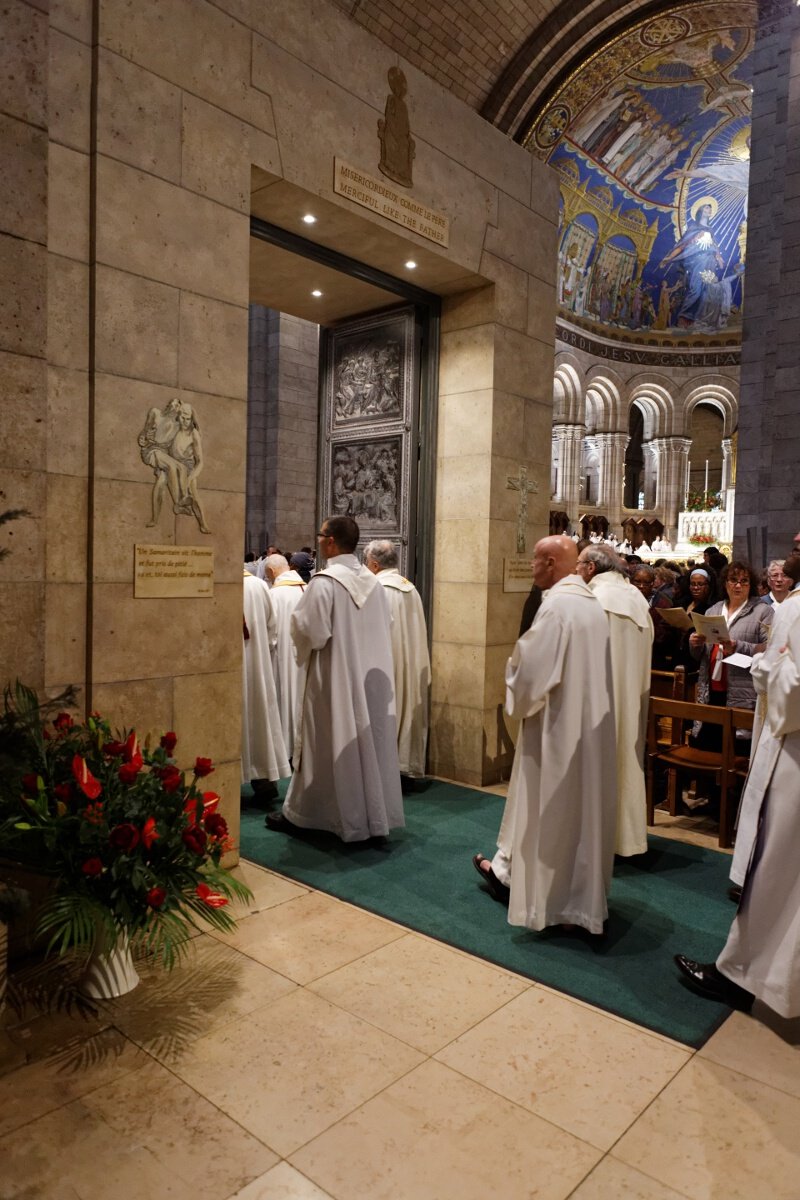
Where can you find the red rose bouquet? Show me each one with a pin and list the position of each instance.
(134, 841)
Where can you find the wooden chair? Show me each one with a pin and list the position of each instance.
(679, 756)
(668, 685)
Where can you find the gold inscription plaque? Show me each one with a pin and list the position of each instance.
(517, 575)
(172, 571)
(391, 203)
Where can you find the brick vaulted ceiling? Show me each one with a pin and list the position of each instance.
(502, 57)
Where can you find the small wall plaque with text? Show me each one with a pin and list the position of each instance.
(517, 575)
(172, 571)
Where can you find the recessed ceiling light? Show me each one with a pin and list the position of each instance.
(316, 292)
(411, 264)
(309, 219)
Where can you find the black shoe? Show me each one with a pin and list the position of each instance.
(499, 891)
(264, 789)
(278, 823)
(734, 893)
(708, 981)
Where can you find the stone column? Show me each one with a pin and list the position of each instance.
(767, 498)
(672, 456)
(570, 446)
(611, 449)
(650, 475)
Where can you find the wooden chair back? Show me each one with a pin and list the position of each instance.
(678, 755)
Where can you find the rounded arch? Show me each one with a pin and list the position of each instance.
(604, 389)
(719, 395)
(653, 395)
(568, 405)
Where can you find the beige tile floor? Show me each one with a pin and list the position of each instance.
(321, 1052)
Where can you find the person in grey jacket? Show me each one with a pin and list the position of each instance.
(748, 619)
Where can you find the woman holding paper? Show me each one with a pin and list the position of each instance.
(747, 619)
(702, 594)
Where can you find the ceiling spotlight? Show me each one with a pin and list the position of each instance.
(316, 292)
(411, 264)
(309, 219)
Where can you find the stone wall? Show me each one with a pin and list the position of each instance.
(767, 488)
(129, 150)
(282, 431)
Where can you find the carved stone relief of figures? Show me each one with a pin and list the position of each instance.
(367, 381)
(170, 444)
(394, 131)
(364, 482)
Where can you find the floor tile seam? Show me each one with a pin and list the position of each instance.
(218, 1108)
(586, 1176)
(643, 1170)
(703, 1058)
(83, 1095)
(245, 954)
(662, 1038)
(380, 1028)
(361, 1104)
(599, 1150)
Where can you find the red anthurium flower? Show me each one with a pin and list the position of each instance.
(170, 778)
(190, 807)
(211, 898)
(114, 749)
(216, 826)
(124, 837)
(149, 832)
(92, 867)
(195, 838)
(203, 766)
(84, 778)
(131, 752)
(30, 784)
(169, 741)
(129, 771)
(156, 896)
(210, 802)
(63, 722)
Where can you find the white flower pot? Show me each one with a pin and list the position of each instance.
(110, 971)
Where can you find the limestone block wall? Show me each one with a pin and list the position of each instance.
(131, 132)
(767, 489)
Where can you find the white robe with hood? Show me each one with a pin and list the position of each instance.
(263, 751)
(556, 840)
(285, 594)
(412, 669)
(347, 775)
(762, 953)
(631, 632)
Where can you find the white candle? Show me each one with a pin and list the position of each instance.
(705, 489)
(688, 477)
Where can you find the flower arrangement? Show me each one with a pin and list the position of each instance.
(702, 501)
(702, 539)
(134, 842)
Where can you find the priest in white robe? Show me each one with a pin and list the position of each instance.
(631, 632)
(347, 775)
(761, 958)
(286, 590)
(412, 664)
(556, 842)
(264, 754)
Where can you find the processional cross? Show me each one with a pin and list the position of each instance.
(524, 486)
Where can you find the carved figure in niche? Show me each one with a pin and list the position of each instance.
(367, 382)
(170, 444)
(394, 131)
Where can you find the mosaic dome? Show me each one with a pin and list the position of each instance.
(651, 140)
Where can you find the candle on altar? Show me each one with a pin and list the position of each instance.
(705, 488)
(688, 479)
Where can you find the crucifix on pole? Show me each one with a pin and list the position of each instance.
(524, 486)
